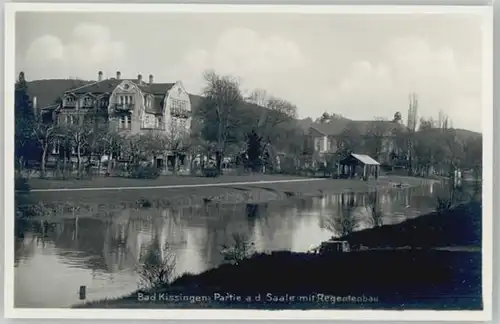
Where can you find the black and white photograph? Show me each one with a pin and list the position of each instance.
(248, 161)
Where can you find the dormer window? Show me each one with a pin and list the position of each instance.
(148, 102)
(87, 102)
(104, 103)
(69, 101)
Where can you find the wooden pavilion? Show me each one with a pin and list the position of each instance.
(359, 166)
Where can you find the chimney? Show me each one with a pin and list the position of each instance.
(118, 74)
(99, 76)
(139, 78)
(151, 79)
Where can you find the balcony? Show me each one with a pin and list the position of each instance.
(88, 105)
(69, 104)
(123, 107)
(180, 113)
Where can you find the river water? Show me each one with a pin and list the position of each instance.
(103, 252)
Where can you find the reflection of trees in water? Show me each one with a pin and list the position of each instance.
(375, 212)
(158, 264)
(24, 249)
(275, 227)
(345, 213)
(221, 222)
(259, 223)
(343, 220)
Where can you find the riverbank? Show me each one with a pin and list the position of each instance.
(422, 277)
(425, 279)
(184, 191)
(457, 227)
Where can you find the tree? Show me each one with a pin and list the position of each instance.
(44, 133)
(25, 143)
(349, 141)
(412, 127)
(79, 132)
(254, 151)
(220, 114)
(377, 133)
(325, 117)
(443, 120)
(426, 124)
(376, 215)
(473, 155)
(397, 117)
(158, 267)
(111, 142)
(345, 221)
(177, 139)
(454, 149)
(425, 152)
(273, 120)
(136, 149)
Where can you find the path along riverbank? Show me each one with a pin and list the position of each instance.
(184, 191)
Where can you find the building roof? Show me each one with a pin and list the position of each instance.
(365, 159)
(108, 85)
(336, 126)
(47, 92)
(332, 127)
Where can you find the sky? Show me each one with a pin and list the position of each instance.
(358, 66)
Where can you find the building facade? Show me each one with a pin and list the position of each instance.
(128, 106)
(326, 138)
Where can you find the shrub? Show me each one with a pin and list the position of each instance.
(158, 268)
(211, 172)
(443, 204)
(144, 172)
(21, 195)
(21, 184)
(241, 248)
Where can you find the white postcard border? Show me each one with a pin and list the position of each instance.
(385, 315)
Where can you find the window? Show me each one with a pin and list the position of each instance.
(104, 103)
(55, 148)
(87, 102)
(178, 104)
(125, 122)
(125, 100)
(69, 101)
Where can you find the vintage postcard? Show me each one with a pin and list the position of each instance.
(260, 162)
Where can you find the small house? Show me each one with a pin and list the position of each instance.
(359, 166)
